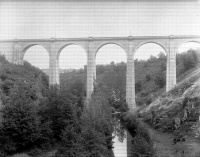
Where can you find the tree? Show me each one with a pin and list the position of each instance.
(160, 80)
(22, 127)
(152, 58)
(161, 55)
(138, 86)
(112, 63)
(58, 110)
(163, 66)
(190, 59)
(148, 77)
(94, 137)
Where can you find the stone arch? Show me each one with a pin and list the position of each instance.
(184, 46)
(181, 43)
(69, 44)
(159, 70)
(150, 42)
(121, 90)
(25, 48)
(74, 58)
(110, 43)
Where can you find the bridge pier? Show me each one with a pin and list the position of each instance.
(130, 76)
(130, 83)
(54, 77)
(15, 49)
(91, 68)
(171, 66)
(90, 77)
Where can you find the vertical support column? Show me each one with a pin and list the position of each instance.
(94, 67)
(130, 78)
(91, 69)
(130, 88)
(17, 58)
(53, 67)
(171, 65)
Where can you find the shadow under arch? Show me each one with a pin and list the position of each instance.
(24, 50)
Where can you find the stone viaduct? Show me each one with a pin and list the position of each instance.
(14, 50)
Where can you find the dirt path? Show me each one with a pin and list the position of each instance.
(164, 146)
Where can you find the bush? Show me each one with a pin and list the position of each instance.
(138, 86)
(58, 110)
(187, 60)
(142, 144)
(3, 59)
(163, 66)
(148, 77)
(21, 126)
(160, 80)
(92, 136)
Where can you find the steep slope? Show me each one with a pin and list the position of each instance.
(173, 119)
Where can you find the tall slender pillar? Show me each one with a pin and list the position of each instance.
(130, 79)
(17, 58)
(91, 69)
(171, 65)
(90, 78)
(130, 89)
(94, 68)
(53, 68)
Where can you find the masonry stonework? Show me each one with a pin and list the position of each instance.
(14, 51)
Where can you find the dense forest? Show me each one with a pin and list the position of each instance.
(37, 118)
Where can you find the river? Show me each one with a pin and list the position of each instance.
(120, 149)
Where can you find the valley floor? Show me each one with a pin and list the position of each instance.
(165, 147)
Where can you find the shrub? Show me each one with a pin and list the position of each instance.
(141, 144)
(138, 86)
(148, 101)
(3, 59)
(58, 110)
(21, 126)
(148, 77)
(160, 80)
(92, 136)
(163, 66)
(188, 59)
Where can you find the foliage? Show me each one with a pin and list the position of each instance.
(190, 60)
(142, 144)
(162, 55)
(163, 66)
(54, 115)
(58, 110)
(138, 86)
(187, 60)
(187, 111)
(160, 80)
(34, 115)
(152, 59)
(148, 77)
(93, 137)
(21, 126)
(3, 59)
(118, 107)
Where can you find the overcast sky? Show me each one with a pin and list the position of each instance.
(83, 18)
(108, 18)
